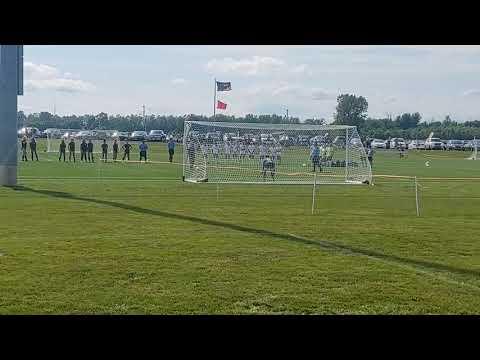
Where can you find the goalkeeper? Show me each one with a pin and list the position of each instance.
(268, 165)
(315, 156)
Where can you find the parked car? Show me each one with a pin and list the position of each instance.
(396, 143)
(303, 140)
(378, 144)
(85, 134)
(434, 144)
(156, 135)
(267, 138)
(138, 136)
(212, 137)
(29, 132)
(417, 144)
(121, 135)
(455, 145)
(228, 136)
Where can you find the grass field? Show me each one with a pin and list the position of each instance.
(130, 238)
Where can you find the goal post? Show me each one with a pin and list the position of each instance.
(259, 153)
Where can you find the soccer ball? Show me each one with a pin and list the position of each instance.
(427, 163)
(304, 164)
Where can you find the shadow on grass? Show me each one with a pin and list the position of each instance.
(328, 245)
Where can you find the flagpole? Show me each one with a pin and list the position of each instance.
(214, 97)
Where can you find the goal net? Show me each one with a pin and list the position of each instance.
(223, 152)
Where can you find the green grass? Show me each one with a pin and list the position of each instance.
(132, 238)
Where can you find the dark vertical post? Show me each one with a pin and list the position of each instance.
(11, 85)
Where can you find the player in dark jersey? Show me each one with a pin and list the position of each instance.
(104, 150)
(90, 151)
(63, 147)
(33, 147)
(315, 156)
(126, 150)
(83, 151)
(268, 165)
(71, 150)
(24, 149)
(115, 150)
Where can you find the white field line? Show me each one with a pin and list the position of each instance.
(417, 269)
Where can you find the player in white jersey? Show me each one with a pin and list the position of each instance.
(234, 150)
(271, 152)
(278, 153)
(251, 151)
(243, 151)
(204, 149)
(215, 151)
(227, 150)
(262, 151)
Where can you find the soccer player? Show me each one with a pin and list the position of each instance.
(24, 149)
(83, 151)
(278, 153)
(126, 151)
(63, 147)
(115, 149)
(251, 151)
(143, 151)
(204, 149)
(268, 165)
(104, 150)
(243, 151)
(315, 156)
(33, 147)
(262, 150)
(171, 148)
(370, 155)
(271, 152)
(71, 150)
(215, 151)
(227, 150)
(234, 150)
(90, 151)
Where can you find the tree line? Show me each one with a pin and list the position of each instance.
(350, 110)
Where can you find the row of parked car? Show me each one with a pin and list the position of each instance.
(153, 135)
(429, 144)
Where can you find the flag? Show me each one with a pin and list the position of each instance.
(224, 86)
(221, 105)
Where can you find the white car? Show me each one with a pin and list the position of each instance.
(398, 143)
(378, 144)
(417, 144)
(434, 144)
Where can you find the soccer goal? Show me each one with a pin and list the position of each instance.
(222, 152)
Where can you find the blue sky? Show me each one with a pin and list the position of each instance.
(433, 80)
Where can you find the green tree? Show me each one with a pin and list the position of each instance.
(351, 110)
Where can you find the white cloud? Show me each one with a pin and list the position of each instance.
(389, 100)
(321, 94)
(179, 81)
(472, 92)
(248, 66)
(46, 77)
